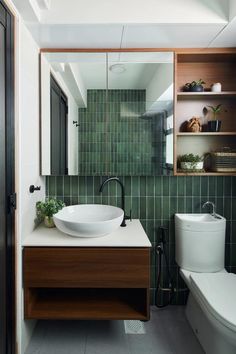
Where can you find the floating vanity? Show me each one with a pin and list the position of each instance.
(87, 278)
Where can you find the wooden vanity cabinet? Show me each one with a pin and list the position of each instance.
(86, 283)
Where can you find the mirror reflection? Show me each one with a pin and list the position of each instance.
(107, 113)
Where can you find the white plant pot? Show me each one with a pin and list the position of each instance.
(191, 165)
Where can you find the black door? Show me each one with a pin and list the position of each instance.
(59, 109)
(7, 197)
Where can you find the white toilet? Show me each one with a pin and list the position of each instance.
(211, 306)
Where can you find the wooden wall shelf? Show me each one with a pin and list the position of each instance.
(191, 95)
(217, 66)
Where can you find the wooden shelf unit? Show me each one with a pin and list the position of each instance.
(86, 283)
(219, 66)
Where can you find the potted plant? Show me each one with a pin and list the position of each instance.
(215, 124)
(46, 210)
(191, 162)
(194, 86)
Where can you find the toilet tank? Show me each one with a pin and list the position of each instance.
(200, 242)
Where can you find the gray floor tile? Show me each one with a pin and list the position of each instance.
(107, 337)
(168, 332)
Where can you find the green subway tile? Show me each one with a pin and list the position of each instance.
(212, 186)
(51, 183)
(234, 208)
(173, 186)
(196, 186)
(67, 183)
(82, 186)
(227, 208)
(204, 186)
(143, 207)
(181, 205)
(60, 185)
(135, 188)
(189, 202)
(89, 185)
(166, 189)
(166, 208)
(150, 208)
(181, 185)
(189, 186)
(227, 186)
(158, 185)
(135, 207)
(173, 206)
(74, 186)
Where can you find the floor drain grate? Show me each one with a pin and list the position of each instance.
(134, 327)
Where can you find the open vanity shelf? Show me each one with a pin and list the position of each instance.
(213, 66)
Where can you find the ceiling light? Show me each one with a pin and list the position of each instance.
(117, 68)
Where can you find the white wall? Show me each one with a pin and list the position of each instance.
(28, 147)
(72, 116)
(160, 83)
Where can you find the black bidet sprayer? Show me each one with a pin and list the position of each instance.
(160, 254)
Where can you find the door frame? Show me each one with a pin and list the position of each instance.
(10, 183)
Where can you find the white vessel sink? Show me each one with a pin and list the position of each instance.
(88, 220)
(198, 222)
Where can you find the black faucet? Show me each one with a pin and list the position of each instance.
(116, 179)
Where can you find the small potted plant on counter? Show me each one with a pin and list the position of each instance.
(194, 86)
(191, 162)
(46, 210)
(215, 124)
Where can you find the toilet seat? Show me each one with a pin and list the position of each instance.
(217, 292)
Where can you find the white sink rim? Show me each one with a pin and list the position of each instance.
(200, 217)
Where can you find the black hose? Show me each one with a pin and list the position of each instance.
(161, 251)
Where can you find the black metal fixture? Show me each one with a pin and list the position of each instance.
(33, 188)
(75, 122)
(116, 179)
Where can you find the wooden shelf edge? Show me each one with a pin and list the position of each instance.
(205, 174)
(206, 134)
(206, 93)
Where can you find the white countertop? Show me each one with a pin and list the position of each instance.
(133, 235)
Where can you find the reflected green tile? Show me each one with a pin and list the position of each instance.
(204, 186)
(166, 189)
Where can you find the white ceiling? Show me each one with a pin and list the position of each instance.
(130, 23)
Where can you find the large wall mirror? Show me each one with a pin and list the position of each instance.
(107, 113)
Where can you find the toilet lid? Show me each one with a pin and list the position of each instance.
(217, 291)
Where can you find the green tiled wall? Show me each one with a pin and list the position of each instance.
(115, 138)
(154, 200)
